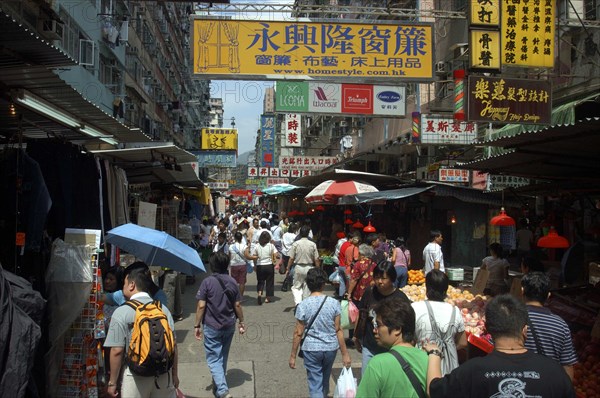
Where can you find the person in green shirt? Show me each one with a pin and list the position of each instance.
(394, 328)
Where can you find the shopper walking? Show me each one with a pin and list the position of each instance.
(135, 287)
(237, 262)
(318, 323)
(265, 256)
(432, 253)
(303, 256)
(402, 261)
(219, 304)
(439, 321)
(498, 267)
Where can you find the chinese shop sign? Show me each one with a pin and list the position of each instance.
(528, 33)
(500, 182)
(218, 185)
(216, 158)
(241, 49)
(494, 99)
(351, 99)
(277, 172)
(485, 49)
(267, 140)
(453, 175)
(485, 13)
(292, 131)
(214, 139)
(444, 130)
(306, 162)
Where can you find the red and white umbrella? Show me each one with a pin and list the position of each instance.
(330, 191)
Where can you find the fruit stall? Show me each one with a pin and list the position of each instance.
(579, 306)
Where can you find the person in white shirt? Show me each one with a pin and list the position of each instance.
(287, 240)
(432, 254)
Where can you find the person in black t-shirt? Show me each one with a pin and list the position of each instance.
(509, 371)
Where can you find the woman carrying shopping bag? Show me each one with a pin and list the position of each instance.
(318, 335)
(264, 254)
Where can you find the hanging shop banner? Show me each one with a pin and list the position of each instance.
(484, 13)
(484, 50)
(278, 180)
(446, 130)
(453, 175)
(295, 173)
(494, 99)
(219, 139)
(240, 49)
(528, 32)
(218, 185)
(479, 180)
(216, 158)
(500, 182)
(292, 130)
(147, 214)
(267, 140)
(306, 162)
(345, 99)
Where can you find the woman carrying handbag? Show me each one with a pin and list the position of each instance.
(264, 254)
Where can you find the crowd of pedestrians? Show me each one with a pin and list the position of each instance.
(406, 349)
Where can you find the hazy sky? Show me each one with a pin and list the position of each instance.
(244, 99)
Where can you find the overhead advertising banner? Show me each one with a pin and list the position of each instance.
(485, 50)
(484, 12)
(216, 158)
(528, 32)
(306, 162)
(219, 139)
(267, 140)
(218, 185)
(446, 130)
(494, 99)
(453, 175)
(292, 131)
(349, 99)
(278, 180)
(500, 182)
(479, 180)
(243, 49)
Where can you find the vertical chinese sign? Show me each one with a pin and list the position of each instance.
(528, 33)
(484, 35)
(292, 135)
(267, 140)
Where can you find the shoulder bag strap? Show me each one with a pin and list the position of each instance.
(312, 320)
(409, 373)
(434, 326)
(225, 291)
(536, 339)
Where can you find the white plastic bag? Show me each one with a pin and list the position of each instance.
(346, 385)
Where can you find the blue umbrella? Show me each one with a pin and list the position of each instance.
(279, 189)
(156, 248)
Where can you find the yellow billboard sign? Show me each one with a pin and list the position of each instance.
(239, 49)
(528, 33)
(485, 49)
(485, 13)
(216, 139)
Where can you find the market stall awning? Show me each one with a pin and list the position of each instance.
(392, 194)
(565, 151)
(347, 175)
(279, 189)
(159, 163)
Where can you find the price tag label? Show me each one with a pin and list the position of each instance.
(20, 239)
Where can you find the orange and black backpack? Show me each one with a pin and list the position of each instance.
(151, 350)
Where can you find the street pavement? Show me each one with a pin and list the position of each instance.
(258, 360)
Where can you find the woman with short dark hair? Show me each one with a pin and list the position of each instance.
(265, 255)
(237, 262)
(440, 321)
(498, 267)
(323, 338)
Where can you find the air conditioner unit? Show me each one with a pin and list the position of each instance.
(441, 68)
(51, 29)
(461, 51)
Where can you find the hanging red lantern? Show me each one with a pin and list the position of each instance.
(369, 228)
(553, 240)
(348, 221)
(503, 219)
(340, 235)
(348, 212)
(358, 225)
(320, 208)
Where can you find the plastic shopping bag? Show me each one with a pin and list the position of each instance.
(345, 317)
(346, 385)
(352, 312)
(179, 393)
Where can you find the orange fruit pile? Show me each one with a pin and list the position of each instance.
(416, 277)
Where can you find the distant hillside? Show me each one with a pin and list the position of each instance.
(243, 157)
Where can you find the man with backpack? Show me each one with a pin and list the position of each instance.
(150, 369)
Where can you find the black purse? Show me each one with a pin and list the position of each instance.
(300, 352)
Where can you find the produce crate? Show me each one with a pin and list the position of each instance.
(578, 304)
